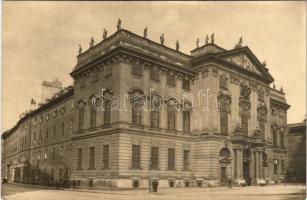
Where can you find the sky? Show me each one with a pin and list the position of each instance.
(40, 40)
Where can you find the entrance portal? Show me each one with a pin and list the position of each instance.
(223, 175)
(246, 162)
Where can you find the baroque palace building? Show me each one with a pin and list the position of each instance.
(217, 119)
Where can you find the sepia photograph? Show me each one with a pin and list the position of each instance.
(156, 100)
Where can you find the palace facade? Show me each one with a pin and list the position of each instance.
(226, 122)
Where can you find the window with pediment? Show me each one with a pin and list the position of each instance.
(156, 103)
(244, 124)
(186, 114)
(138, 103)
(171, 107)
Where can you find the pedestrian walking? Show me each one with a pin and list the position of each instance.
(229, 182)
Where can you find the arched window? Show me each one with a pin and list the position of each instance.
(107, 112)
(282, 137)
(171, 107)
(274, 132)
(93, 114)
(156, 102)
(224, 152)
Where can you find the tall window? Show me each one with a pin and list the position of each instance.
(244, 124)
(274, 138)
(136, 156)
(79, 157)
(154, 158)
(186, 159)
(137, 69)
(171, 80)
(186, 84)
(63, 129)
(154, 74)
(53, 153)
(171, 159)
(54, 131)
(137, 108)
(47, 134)
(105, 156)
(92, 158)
(186, 121)
(155, 111)
(282, 166)
(107, 112)
(282, 139)
(71, 125)
(275, 166)
(81, 118)
(171, 114)
(93, 118)
(224, 122)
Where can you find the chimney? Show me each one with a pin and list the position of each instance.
(49, 89)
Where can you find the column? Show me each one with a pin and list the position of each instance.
(260, 166)
(257, 165)
(240, 163)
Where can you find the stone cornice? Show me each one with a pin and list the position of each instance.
(122, 53)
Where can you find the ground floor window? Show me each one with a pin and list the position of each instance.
(136, 183)
(187, 184)
(90, 182)
(199, 183)
(172, 183)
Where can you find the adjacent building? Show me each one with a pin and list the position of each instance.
(139, 112)
(296, 171)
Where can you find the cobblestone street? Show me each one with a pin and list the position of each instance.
(273, 192)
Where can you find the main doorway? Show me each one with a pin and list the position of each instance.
(223, 176)
(246, 167)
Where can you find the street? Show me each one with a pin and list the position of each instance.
(272, 192)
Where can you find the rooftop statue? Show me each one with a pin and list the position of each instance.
(162, 39)
(119, 24)
(92, 42)
(177, 45)
(80, 49)
(197, 43)
(264, 63)
(274, 86)
(207, 39)
(145, 32)
(240, 43)
(105, 34)
(212, 38)
(281, 89)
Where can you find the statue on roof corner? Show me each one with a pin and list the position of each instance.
(162, 39)
(240, 43)
(212, 38)
(92, 42)
(207, 39)
(197, 43)
(80, 49)
(105, 34)
(119, 24)
(264, 63)
(145, 32)
(177, 45)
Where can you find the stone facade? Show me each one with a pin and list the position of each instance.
(228, 123)
(296, 170)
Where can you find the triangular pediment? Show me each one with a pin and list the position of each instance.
(242, 60)
(245, 59)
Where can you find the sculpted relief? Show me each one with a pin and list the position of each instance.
(242, 61)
